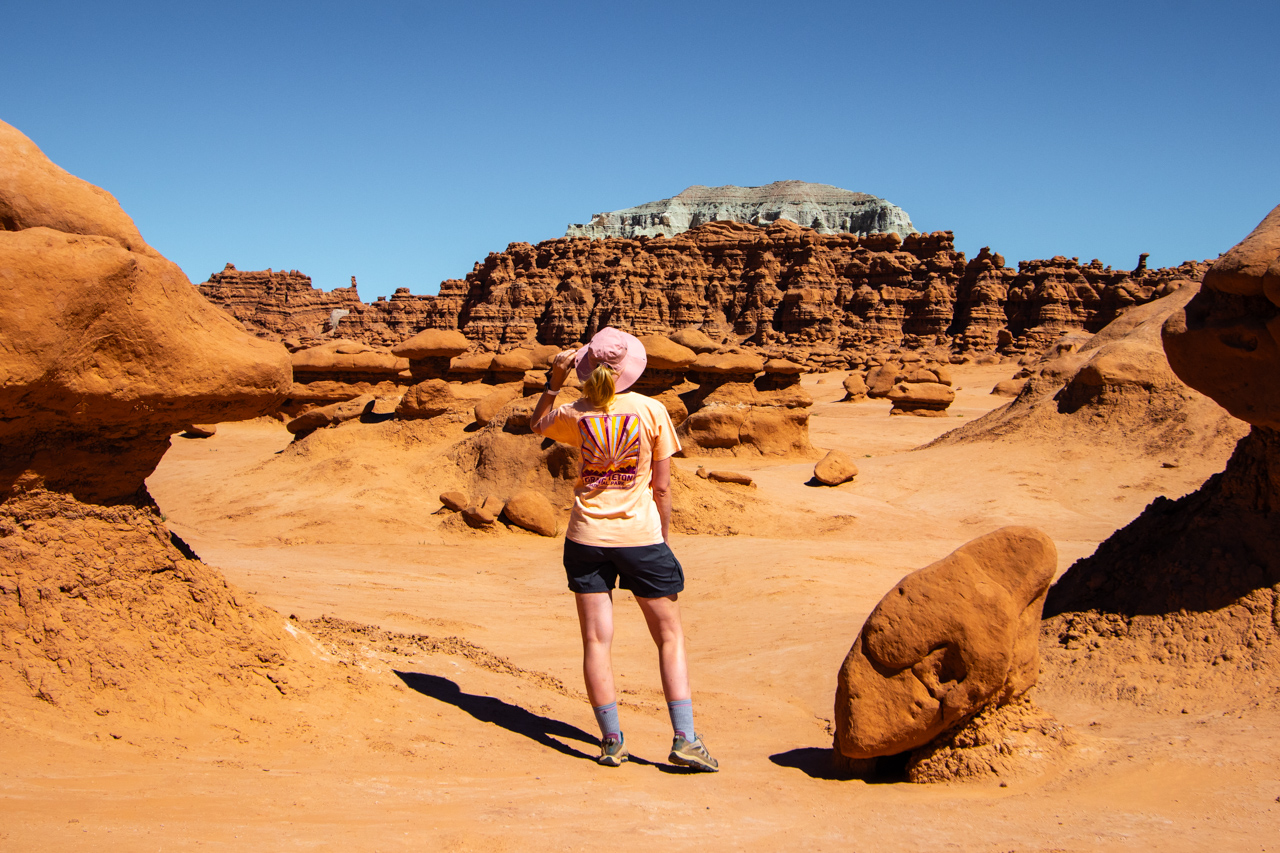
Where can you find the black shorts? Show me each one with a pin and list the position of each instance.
(649, 571)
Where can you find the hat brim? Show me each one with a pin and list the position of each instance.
(632, 365)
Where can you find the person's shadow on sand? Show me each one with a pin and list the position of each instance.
(513, 718)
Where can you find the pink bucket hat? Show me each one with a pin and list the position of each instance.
(622, 352)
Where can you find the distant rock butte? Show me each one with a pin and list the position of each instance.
(825, 209)
(782, 285)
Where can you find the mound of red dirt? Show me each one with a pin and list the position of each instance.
(102, 611)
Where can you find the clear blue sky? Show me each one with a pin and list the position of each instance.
(400, 142)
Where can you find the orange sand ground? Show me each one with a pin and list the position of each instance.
(467, 753)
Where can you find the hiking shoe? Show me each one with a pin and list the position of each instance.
(612, 752)
(692, 754)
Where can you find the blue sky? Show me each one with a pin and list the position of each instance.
(401, 142)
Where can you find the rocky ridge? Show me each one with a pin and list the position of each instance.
(778, 286)
(824, 208)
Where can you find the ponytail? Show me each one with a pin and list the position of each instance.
(599, 387)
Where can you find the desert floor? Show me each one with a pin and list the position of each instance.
(488, 744)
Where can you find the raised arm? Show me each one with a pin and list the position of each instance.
(560, 368)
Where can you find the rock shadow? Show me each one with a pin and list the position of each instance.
(817, 763)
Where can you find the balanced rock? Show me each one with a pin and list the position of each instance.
(835, 468)
(433, 343)
(516, 361)
(920, 398)
(694, 340)
(949, 640)
(532, 511)
(665, 354)
(855, 388)
(728, 364)
(346, 357)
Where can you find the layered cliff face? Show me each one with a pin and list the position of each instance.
(280, 304)
(779, 285)
(824, 208)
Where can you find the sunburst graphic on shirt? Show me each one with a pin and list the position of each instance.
(610, 450)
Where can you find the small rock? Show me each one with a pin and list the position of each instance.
(729, 477)
(835, 468)
(701, 472)
(483, 514)
(201, 431)
(455, 501)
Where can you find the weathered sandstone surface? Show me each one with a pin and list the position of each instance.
(948, 641)
(808, 296)
(106, 350)
(1188, 595)
(825, 209)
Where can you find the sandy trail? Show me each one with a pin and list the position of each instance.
(465, 755)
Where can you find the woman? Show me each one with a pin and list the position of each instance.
(619, 527)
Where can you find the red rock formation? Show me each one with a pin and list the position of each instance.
(782, 285)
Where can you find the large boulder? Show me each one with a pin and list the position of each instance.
(106, 347)
(949, 640)
(428, 399)
(835, 468)
(532, 511)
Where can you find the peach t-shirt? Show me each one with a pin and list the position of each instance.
(613, 506)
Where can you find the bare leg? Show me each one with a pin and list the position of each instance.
(662, 615)
(595, 619)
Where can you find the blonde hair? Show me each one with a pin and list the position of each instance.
(599, 387)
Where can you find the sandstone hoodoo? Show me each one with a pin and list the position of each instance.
(1195, 582)
(111, 353)
(915, 384)
(825, 209)
(947, 642)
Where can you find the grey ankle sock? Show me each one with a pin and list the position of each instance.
(681, 712)
(607, 719)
